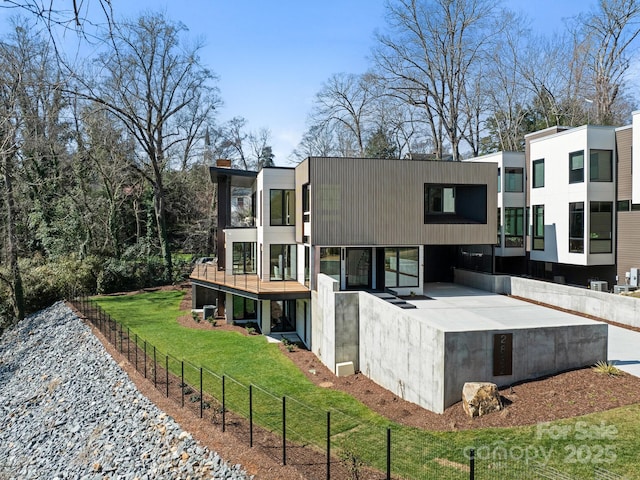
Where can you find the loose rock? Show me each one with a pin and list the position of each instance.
(67, 410)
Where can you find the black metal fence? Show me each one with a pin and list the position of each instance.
(320, 444)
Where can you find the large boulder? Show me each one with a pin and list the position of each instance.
(480, 398)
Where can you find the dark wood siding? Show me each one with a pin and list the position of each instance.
(359, 201)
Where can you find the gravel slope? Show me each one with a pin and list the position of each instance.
(68, 411)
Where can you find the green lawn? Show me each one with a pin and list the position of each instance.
(608, 440)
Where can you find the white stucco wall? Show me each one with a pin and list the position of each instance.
(557, 192)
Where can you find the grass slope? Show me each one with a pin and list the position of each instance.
(578, 446)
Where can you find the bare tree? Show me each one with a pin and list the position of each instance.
(148, 79)
(608, 33)
(344, 105)
(431, 54)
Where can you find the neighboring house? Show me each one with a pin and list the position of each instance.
(371, 224)
(510, 251)
(572, 199)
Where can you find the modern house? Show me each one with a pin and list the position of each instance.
(371, 224)
(572, 195)
(333, 250)
(510, 251)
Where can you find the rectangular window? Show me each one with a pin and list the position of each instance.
(499, 243)
(282, 262)
(538, 173)
(538, 227)
(401, 267)
(600, 227)
(576, 167)
(305, 202)
(244, 258)
(282, 205)
(576, 227)
(244, 308)
(601, 166)
(513, 227)
(439, 199)
(283, 315)
(623, 205)
(513, 180)
(330, 262)
(499, 181)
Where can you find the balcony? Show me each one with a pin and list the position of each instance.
(210, 273)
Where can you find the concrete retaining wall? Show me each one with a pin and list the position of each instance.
(608, 306)
(536, 352)
(402, 352)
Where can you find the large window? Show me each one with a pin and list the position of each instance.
(499, 181)
(282, 263)
(244, 258)
(440, 199)
(462, 203)
(282, 207)
(576, 167)
(513, 180)
(513, 227)
(601, 166)
(576, 227)
(600, 227)
(330, 262)
(283, 315)
(538, 227)
(244, 308)
(537, 173)
(401, 267)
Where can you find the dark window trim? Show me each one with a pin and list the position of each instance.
(537, 182)
(576, 175)
(576, 243)
(538, 239)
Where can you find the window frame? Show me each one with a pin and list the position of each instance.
(514, 240)
(398, 271)
(576, 243)
(597, 169)
(287, 207)
(537, 214)
(594, 237)
(512, 173)
(576, 175)
(537, 179)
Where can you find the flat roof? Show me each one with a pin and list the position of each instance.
(239, 178)
(456, 308)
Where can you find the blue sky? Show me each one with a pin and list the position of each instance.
(272, 57)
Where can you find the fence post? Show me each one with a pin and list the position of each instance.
(128, 344)
(136, 352)
(388, 453)
(472, 464)
(145, 359)
(155, 369)
(166, 372)
(201, 404)
(284, 431)
(224, 404)
(121, 349)
(328, 445)
(182, 381)
(251, 416)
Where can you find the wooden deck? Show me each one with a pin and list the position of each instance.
(208, 272)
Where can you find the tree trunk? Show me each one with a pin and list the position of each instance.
(161, 223)
(12, 245)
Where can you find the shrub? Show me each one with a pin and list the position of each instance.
(607, 368)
